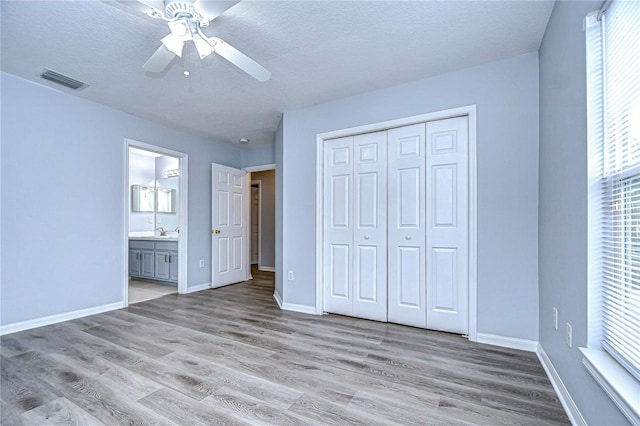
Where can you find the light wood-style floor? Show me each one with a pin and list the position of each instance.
(230, 356)
(141, 291)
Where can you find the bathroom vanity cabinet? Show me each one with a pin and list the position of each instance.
(154, 260)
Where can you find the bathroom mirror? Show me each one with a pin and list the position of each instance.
(142, 198)
(167, 203)
(166, 200)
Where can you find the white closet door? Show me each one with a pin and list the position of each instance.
(406, 233)
(447, 225)
(338, 227)
(370, 226)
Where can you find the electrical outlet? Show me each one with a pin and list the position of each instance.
(569, 335)
(150, 220)
(290, 275)
(555, 318)
(202, 263)
(158, 219)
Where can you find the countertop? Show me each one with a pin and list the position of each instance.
(153, 236)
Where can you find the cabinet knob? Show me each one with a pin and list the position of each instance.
(366, 237)
(408, 237)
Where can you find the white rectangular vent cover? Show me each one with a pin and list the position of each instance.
(69, 82)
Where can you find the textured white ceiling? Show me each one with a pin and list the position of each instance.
(316, 50)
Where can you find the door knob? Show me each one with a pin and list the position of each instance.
(217, 231)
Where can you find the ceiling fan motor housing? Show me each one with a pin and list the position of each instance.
(175, 8)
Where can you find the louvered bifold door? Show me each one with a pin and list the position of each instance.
(370, 226)
(338, 226)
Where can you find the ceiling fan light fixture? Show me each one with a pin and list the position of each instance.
(203, 47)
(173, 44)
(180, 29)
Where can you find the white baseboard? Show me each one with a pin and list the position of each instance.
(278, 298)
(299, 308)
(294, 306)
(266, 268)
(199, 287)
(567, 402)
(53, 319)
(507, 342)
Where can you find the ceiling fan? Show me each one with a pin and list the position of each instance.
(185, 19)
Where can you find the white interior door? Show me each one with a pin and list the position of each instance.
(229, 231)
(338, 228)
(447, 225)
(370, 226)
(406, 233)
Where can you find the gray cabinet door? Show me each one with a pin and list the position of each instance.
(147, 267)
(173, 266)
(135, 261)
(162, 265)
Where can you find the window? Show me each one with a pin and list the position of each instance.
(613, 96)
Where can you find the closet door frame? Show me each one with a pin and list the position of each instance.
(470, 112)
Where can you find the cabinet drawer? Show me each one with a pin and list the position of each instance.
(167, 245)
(137, 244)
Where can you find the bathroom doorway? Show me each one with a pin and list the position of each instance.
(155, 222)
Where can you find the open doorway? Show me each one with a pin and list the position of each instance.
(262, 217)
(155, 218)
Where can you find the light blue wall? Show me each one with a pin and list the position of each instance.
(506, 95)
(258, 156)
(63, 172)
(563, 206)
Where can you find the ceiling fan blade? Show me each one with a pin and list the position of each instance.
(210, 9)
(159, 60)
(155, 4)
(241, 60)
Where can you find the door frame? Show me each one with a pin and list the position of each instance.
(470, 112)
(258, 183)
(183, 255)
(253, 169)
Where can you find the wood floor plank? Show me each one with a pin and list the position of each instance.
(231, 356)
(269, 392)
(59, 412)
(252, 409)
(98, 400)
(23, 391)
(182, 410)
(397, 412)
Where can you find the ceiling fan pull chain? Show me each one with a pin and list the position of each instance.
(186, 61)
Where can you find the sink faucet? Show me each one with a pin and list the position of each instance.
(163, 233)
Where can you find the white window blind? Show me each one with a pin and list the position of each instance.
(613, 49)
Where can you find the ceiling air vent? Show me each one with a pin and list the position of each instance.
(69, 82)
